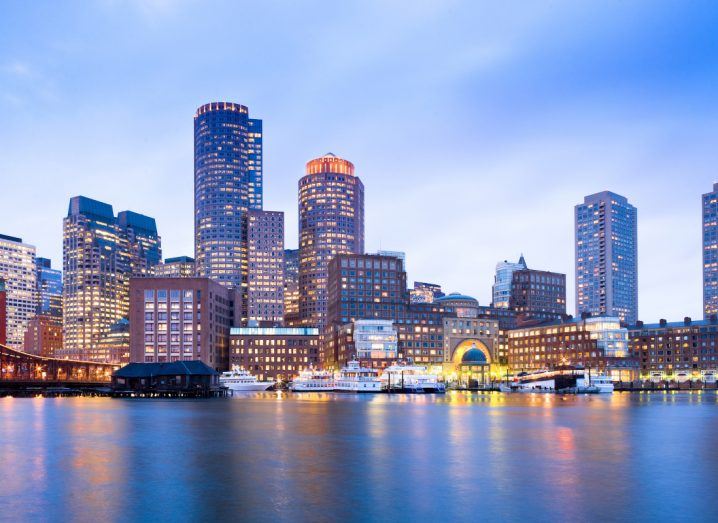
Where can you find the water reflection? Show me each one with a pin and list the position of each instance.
(324, 457)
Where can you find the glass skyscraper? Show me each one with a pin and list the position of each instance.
(331, 222)
(100, 254)
(710, 252)
(49, 289)
(228, 182)
(501, 290)
(607, 257)
(17, 268)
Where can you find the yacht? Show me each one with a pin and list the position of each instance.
(603, 383)
(313, 380)
(406, 377)
(241, 380)
(355, 378)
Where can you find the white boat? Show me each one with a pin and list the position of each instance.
(355, 378)
(405, 377)
(603, 383)
(313, 380)
(241, 380)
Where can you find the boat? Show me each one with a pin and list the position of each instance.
(355, 378)
(241, 380)
(406, 377)
(313, 380)
(603, 383)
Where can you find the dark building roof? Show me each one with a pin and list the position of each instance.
(180, 259)
(137, 221)
(177, 368)
(92, 208)
(10, 238)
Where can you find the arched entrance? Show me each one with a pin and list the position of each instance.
(472, 360)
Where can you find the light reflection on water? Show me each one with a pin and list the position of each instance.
(324, 457)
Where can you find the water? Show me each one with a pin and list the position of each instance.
(321, 457)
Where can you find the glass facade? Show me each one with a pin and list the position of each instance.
(49, 289)
(265, 277)
(607, 257)
(228, 182)
(331, 222)
(710, 252)
(501, 290)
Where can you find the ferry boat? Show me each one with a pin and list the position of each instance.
(241, 380)
(566, 379)
(313, 380)
(405, 377)
(603, 383)
(355, 378)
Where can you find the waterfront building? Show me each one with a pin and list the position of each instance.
(180, 319)
(501, 290)
(114, 346)
(189, 376)
(291, 286)
(18, 269)
(100, 254)
(43, 336)
(375, 339)
(331, 222)
(178, 267)
(228, 182)
(265, 275)
(425, 292)
(710, 252)
(538, 295)
(666, 349)
(598, 343)
(3, 313)
(49, 288)
(274, 353)
(472, 352)
(607, 257)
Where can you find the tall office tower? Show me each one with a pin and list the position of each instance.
(331, 222)
(3, 313)
(100, 254)
(291, 286)
(179, 267)
(501, 289)
(265, 275)
(17, 268)
(227, 183)
(144, 242)
(425, 292)
(710, 252)
(607, 257)
(49, 289)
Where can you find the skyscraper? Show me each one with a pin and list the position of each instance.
(291, 286)
(100, 254)
(607, 257)
(331, 222)
(17, 268)
(49, 289)
(265, 276)
(710, 252)
(228, 182)
(501, 289)
(3, 313)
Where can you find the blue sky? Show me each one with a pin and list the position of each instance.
(475, 126)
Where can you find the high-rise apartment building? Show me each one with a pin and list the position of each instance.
(331, 222)
(18, 269)
(3, 313)
(100, 254)
(710, 252)
(49, 289)
(178, 267)
(607, 257)
(228, 182)
(291, 286)
(265, 275)
(501, 289)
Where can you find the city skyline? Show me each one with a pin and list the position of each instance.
(661, 160)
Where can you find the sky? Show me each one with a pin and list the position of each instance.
(475, 126)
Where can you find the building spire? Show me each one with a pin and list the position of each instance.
(522, 261)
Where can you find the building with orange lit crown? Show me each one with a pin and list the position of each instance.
(331, 222)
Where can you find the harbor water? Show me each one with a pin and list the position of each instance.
(325, 457)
